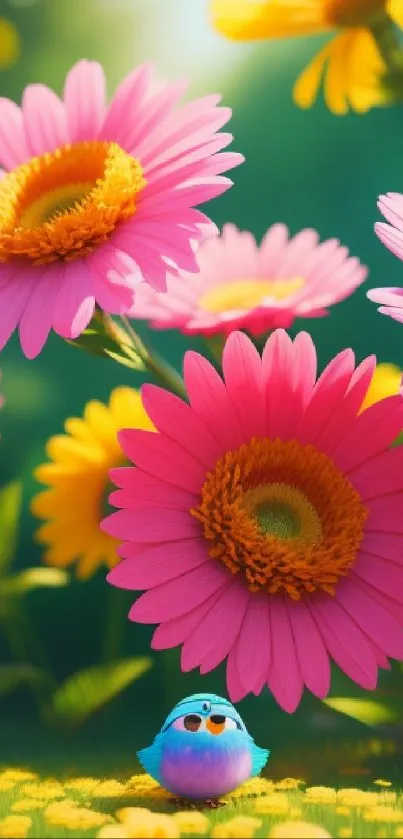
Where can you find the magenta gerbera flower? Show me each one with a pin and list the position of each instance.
(96, 199)
(391, 298)
(265, 519)
(242, 285)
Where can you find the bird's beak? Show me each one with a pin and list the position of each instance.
(215, 727)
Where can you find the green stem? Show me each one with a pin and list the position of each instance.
(25, 648)
(160, 369)
(114, 628)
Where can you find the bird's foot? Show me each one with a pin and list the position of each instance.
(214, 803)
(207, 803)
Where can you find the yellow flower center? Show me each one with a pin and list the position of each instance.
(247, 294)
(352, 12)
(283, 515)
(64, 204)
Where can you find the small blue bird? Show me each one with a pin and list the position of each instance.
(203, 750)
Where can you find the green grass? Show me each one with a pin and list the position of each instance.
(359, 819)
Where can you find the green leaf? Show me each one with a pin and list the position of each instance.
(88, 690)
(367, 711)
(14, 675)
(10, 510)
(32, 578)
(103, 337)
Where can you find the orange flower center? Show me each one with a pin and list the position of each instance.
(283, 515)
(352, 12)
(64, 204)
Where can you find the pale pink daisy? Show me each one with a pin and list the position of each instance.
(391, 235)
(265, 519)
(98, 198)
(242, 285)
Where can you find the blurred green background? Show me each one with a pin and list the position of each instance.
(307, 169)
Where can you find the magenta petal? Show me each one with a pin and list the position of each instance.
(372, 432)
(328, 391)
(388, 545)
(381, 574)
(242, 368)
(235, 686)
(142, 490)
(158, 564)
(179, 596)
(346, 644)
(382, 475)
(346, 411)
(385, 513)
(147, 525)
(174, 632)
(373, 618)
(277, 368)
(75, 302)
(36, 320)
(180, 423)
(210, 399)
(284, 676)
(253, 647)
(163, 458)
(214, 637)
(312, 655)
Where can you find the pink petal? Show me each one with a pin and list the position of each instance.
(142, 490)
(371, 432)
(210, 399)
(346, 643)
(390, 237)
(387, 545)
(253, 647)
(312, 655)
(284, 676)
(385, 514)
(373, 618)
(176, 597)
(143, 525)
(214, 637)
(75, 303)
(381, 574)
(382, 475)
(13, 144)
(158, 564)
(163, 458)
(305, 367)
(44, 119)
(235, 687)
(126, 107)
(36, 321)
(84, 98)
(390, 296)
(390, 206)
(13, 298)
(329, 390)
(277, 368)
(242, 369)
(346, 411)
(174, 632)
(176, 420)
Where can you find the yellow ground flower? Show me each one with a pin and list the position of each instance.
(109, 789)
(253, 787)
(17, 775)
(350, 62)
(357, 798)
(70, 815)
(386, 381)
(289, 783)
(240, 827)
(380, 782)
(383, 814)
(84, 785)
(78, 480)
(27, 805)
(15, 827)
(191, 821)
(298, 830)
(44, 790)
(320, 795)
(112, 831)
(399, 833)
(6, 785)
(140, 823)
(345, 833)
(342, 810)
(10, 43)
(277, 803)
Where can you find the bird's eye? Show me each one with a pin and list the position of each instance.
(218, 723)
(190, 722)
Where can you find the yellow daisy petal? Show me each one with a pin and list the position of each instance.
(335, 78)
(307, 84)
(395, 10)
(386, 381)
(248, 20)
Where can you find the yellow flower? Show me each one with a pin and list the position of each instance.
(357, 798)
(69, 814)
(298, 830)
(139, 823)
(289, 783)
(44, 790)
(342, 810)
(6, 785)
(240, 827)
(109, 789)
(399, 833)
(386, 381)
(10, 43)
(383, 814)
(276, 803)
(320, 795)
(253, 787)
(77, 498)
(345, 832)
(190, 821)
(84, 785)
(28, 805)
(350, 63)
(380, 782)
(17, 775)
(15, 827)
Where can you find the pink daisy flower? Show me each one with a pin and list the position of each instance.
(96, 199)
(242, 285)
(264, 519)
(391, 207)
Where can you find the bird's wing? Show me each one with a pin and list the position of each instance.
(259, 759)
(151, 757)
